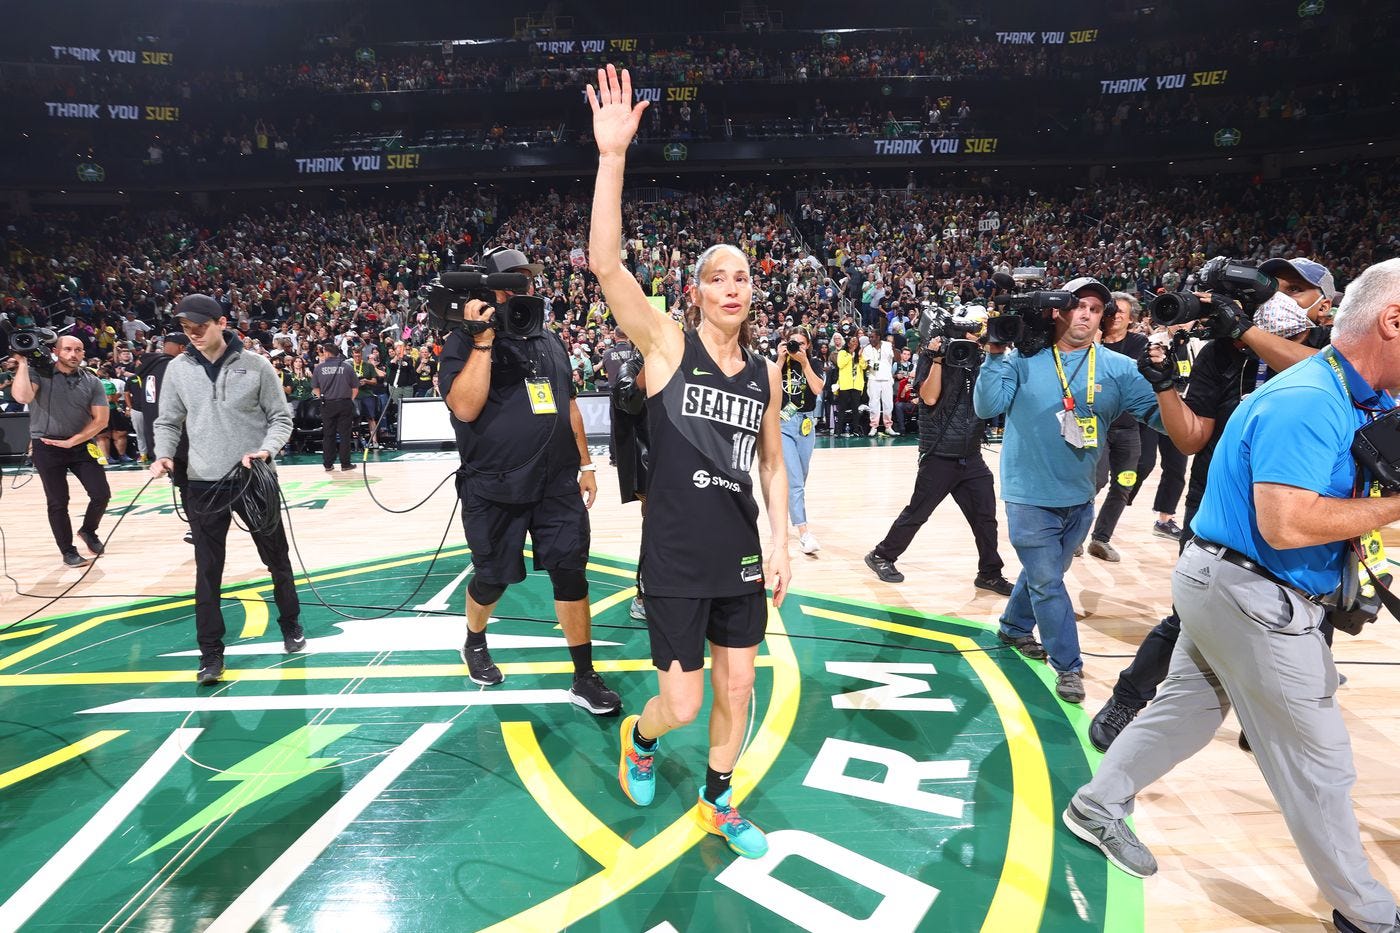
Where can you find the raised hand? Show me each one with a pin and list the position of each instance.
(615, 118)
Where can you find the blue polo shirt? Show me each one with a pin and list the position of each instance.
(1037, 466)
(1295, 430)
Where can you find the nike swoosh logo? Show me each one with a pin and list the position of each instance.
(697, 371)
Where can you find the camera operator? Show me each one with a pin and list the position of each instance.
(1224, 372)
(67, 410)
(630, 437)
(1277, 529)
(950, 463)
(526, 467)
(802, 386)
(1117, 467)
(1057, 404)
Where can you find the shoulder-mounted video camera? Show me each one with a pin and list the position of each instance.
(35, 344)
(960, 348)
(1234, 279)
(1026, 318)
(445, 299)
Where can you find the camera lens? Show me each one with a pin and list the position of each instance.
(1175, 308)
(794, 347)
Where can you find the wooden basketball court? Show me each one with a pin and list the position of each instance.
(1227, 862)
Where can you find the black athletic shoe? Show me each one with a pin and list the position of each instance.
(592, 694)
(93, 543)
(189, 537)
(1109, 722)
(1244, 744)
(884, 569)
(997, 584)
(293, 638)
(72, 558)
(480, 668)
(210, 670)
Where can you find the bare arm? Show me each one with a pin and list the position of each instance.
(466, 396)
(614, 125)
(1278, 352)
(932, 387)
(1189, 431)
(1290, 517)
(587, 480)
(22, 389)
(772, 477)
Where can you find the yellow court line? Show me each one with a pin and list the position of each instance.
(578, 822)
(54, 759)
(1019, 902)
(371, 672)
(25, 633)
(92, 623)
(607, 602)
(254, 613)
(635, 865)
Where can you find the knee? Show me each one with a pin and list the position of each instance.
(737, 687)
(570, 586)
(482, 593)
(681, 710)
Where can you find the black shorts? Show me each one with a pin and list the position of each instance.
(559, 535)
(680, 625)
(118, 421)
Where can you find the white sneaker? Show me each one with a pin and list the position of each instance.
(808, 543)
(872, 433)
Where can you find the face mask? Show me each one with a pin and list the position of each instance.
(1282, 315)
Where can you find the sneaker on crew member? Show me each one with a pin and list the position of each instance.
(526, 470)
(950, 464)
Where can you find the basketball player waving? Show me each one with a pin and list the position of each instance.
(709, 408)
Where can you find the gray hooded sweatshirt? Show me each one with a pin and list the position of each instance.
(229, 408)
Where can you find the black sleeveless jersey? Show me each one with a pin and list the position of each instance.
(700, 533)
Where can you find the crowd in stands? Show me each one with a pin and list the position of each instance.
(850, 262)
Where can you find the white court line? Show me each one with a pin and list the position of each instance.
(261, 896)
(324, 701)
(77, 850)
(439, 602)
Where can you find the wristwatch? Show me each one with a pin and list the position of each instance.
(588, 468)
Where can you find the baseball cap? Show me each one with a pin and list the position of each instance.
(179, 339)
(197, 309)
(1315, 273)
(1099, 289)
(509, 260)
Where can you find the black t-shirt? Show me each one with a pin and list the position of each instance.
(510, 453)
(1221, 376)
(1132, 346)
(614, 357)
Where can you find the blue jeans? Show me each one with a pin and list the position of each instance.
(797, 455)
(1045, 538)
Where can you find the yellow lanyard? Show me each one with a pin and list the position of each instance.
(1064, 383)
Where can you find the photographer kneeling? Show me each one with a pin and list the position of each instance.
(950, 459)
(1279, 528)
(525, 461)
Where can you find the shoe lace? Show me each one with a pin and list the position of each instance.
(729, 819)
(641, 764)
(1118, 716)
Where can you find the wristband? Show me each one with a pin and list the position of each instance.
(481, 346)
(588, 468)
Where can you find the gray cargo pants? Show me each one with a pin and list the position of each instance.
(1248, 642)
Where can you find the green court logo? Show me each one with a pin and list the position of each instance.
(900, 763)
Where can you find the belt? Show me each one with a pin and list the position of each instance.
(1231, 556)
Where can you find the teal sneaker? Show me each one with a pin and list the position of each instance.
(634, 769)
(721, 819)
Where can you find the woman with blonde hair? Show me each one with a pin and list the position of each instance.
(712, 408)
